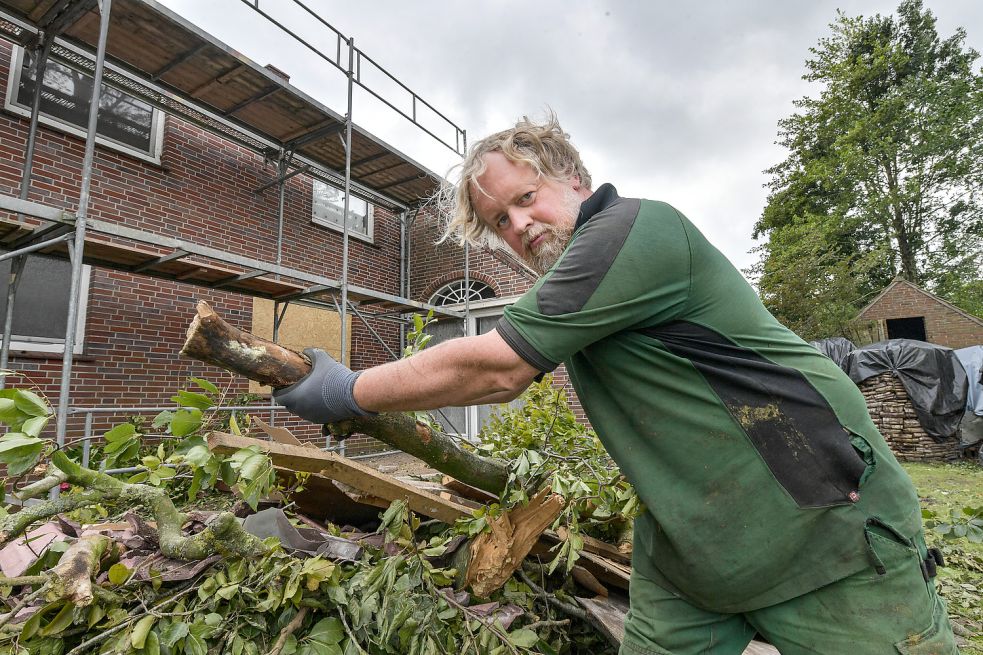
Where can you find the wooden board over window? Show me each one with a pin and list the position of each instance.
(302, 327)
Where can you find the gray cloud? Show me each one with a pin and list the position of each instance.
(676, 101)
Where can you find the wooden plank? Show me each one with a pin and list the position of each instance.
(592, 545)
(608, 616)
(342, 469)
(280, 435)
(467, 491)
(322, 500)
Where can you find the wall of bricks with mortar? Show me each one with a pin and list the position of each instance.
(436, 264)
(202, 192)
(943, 325)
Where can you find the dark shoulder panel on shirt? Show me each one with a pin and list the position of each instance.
(587, 260)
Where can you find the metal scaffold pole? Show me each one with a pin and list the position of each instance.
(78, 247)
(17, 266)
(342, 312)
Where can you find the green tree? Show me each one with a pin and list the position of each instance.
(883, 177)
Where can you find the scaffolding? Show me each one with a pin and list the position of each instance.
(193, 76)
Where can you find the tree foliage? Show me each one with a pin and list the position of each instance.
(883, 177)
(399, 597)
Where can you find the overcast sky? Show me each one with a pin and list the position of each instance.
(675, 101)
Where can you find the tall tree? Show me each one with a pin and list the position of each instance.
(884, 175)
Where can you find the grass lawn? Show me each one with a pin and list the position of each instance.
(945, 487)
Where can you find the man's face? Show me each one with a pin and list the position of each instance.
(535, 216)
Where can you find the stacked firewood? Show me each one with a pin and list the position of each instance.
(895, 416)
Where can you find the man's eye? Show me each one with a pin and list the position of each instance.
(526, 197)
(502, 221)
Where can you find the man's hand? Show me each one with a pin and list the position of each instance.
(325, 394)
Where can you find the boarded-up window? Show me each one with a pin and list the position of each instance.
(302, 327)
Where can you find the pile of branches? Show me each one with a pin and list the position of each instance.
(149, 562)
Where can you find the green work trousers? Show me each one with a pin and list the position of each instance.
(864, 614)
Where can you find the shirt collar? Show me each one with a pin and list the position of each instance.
(600, 200)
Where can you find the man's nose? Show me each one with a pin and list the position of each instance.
(521, 220)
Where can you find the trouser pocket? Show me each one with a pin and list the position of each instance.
(907, 559)
(937, 639)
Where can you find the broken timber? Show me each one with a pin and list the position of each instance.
(496, 554)
(493, 556)
(213, 341)
(346, 471)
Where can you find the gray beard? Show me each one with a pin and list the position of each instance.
(550, 253)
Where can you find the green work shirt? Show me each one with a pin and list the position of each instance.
(755, 455)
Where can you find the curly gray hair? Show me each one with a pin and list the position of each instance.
(544, 146)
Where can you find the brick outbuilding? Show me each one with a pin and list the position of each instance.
(906, 311)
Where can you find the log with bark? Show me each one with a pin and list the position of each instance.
(214, 341)
(224, 536)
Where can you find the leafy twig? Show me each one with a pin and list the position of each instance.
(288, 630)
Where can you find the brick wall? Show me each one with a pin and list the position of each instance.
(202, 191)
(434, 265)
(944, 325)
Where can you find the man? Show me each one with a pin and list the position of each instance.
(773, 504)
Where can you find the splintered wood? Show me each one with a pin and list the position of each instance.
(496, 554)
(492, 557)
(346, 471)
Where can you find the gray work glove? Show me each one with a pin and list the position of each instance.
(325, 395)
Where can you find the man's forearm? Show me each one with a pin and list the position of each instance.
(465, 371)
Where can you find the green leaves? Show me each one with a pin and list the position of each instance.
(323, 639)
(964, 523)
(20, 452)
(119, 573)
(254, 474)
(26, 414)
(122, 445)
(192, 399)
(185, 422)
(417, 338)
(138, 637)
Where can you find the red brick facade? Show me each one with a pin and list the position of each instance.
(945, 324)
(202, 191)
(436, 264)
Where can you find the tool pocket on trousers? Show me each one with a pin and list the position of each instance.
(937, 639)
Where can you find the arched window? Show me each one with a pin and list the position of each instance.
(458, 291)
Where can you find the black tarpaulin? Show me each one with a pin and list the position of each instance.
(836, 348)
(932, 376)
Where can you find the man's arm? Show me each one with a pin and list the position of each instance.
(464, 371)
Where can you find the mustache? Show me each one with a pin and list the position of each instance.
(528, 238)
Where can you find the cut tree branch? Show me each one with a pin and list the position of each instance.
(213, 341)
(224, 536)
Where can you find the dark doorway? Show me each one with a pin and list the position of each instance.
(906, 328)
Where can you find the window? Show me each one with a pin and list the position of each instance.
(906, 328)
(484, 315)
(41, 306)
(301, 327)
(459, 291)
(329, 205)
(125, 123)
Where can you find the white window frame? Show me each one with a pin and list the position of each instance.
(13, 82)
(478, 309)
(370, 218)
(26, 343)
